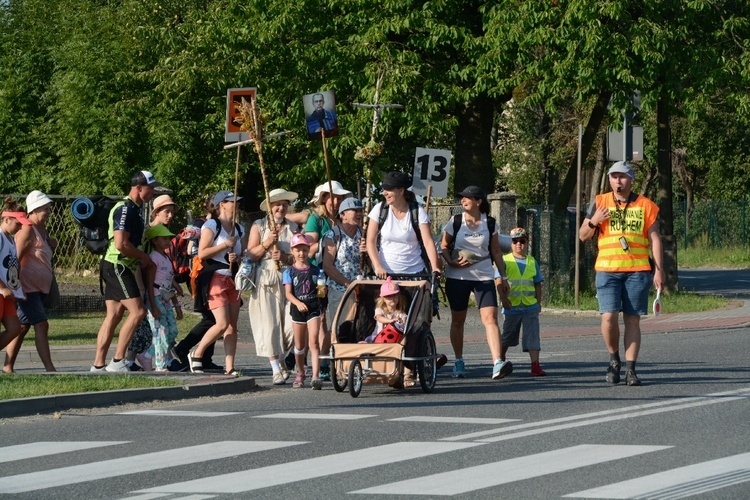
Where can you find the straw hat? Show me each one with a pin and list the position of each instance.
(278, 195)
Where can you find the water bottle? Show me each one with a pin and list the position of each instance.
(322, 288)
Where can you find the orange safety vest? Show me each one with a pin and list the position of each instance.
(631, 222)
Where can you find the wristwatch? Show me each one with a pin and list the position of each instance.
(591, 225)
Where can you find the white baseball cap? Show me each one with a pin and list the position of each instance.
(36, 199)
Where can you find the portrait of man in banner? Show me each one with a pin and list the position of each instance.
(320, 114)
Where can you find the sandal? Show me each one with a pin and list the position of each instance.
(299, 380)
(232, 373)
(409, 380)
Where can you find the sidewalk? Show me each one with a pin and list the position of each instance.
(555, 324)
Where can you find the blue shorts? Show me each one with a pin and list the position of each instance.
(458, 292)
(512, 331)
(626, 292)
(31, 310)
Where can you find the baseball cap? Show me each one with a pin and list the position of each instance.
(338, 189)
(144, 178)
(389, 288)
(36, 199)
(225, 196)
(518, 232)
(158, 230)
(299, 239)
(394, 180)
(162, 201)
(473, 192)
(622, 167)
(350, 204)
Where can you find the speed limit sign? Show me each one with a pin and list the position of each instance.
(432, 167)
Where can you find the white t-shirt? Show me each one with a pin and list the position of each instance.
(210, 224)
(400, 252)
(164, 271)
(476, 242)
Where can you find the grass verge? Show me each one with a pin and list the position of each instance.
(29, 386)
(683, 302)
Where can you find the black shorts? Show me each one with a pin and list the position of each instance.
(313, 311)
(458, 292)
(119, 281)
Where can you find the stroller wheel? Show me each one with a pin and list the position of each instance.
(355, 378)
(427, 369)
(338, 384)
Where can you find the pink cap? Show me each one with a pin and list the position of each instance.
(389, 288)
(299, 239)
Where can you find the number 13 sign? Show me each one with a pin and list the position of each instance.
(432, 167)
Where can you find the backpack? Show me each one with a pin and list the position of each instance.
(458, 218)
(414, 216)
(92, 217)
(178, 255)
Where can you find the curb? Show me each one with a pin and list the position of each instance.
(45, 404)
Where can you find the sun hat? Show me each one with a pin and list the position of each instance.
(278, 195)
(518, 232)
(158, 230)
(622, 167)
(299, 239)
(162, 201)
(350, 204)
(338, 189)
(389, 288)
(144, 178)
(36, 199)
(472, 192)
(19, 216)
(393, 180)
(225, 195)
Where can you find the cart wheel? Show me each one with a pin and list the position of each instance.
(355, 378)
(427, 369)
(338, 385)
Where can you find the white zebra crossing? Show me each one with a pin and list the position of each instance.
(469, 479)
(42, 448)
(134, 464)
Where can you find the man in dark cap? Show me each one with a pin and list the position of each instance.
(118, 268)
(627, 224)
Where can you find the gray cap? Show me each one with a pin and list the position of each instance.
(622, 167)
(350, 204)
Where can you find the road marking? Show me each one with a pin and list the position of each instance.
(42, 448)
(316, 416)
(678, 483)
(455, 420)
(469, 479)
(181, 413)
(134, 464)
(601, 416)
(149, 496)
(274, 475)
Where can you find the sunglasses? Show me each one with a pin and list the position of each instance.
(519, 240)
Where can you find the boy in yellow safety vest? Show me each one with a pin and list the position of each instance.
(522, 304)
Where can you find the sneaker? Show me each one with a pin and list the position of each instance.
(145, 361)
(285, 373)
(631, 378)
(316, 384)
(211, 366)
(278, 379)
(613, 372)
(177, 366)
(119, 366)
(536, 370)
(100, 369)
(196, 364)
(440, 362)
(325, 371)
(134, 367)
(459, 370)
(501, 369)
(299, 381)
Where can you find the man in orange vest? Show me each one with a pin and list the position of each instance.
(627, 225)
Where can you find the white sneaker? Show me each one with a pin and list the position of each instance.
(119, 366)
(95, 369)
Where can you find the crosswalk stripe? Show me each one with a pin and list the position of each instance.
(626, 412)
(454, 420)
(274, 475)
(460, 481)
(181, 413)
(134, 464)
(316, 416)
(42, 448)
(148, 496)
(678, 483)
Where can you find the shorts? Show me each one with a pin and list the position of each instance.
(626, 292)
(8, 307)
(31, 311)
(512, 331)
(301, 318)
(334, 299)
(119, 280)
(458, 292)
(222, 292)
